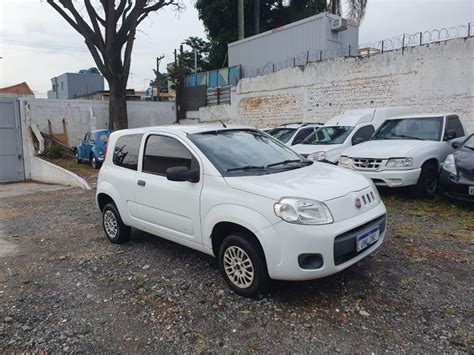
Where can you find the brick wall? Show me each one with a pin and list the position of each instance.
(436, 77)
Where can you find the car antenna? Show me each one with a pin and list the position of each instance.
(222, 123)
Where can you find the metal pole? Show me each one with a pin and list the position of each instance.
(403, 43)
(382, 45)
(349, 50)
(421, 38)
(468, 29)
(195, 61)
(307, 57)
(240, 18)
(320, 55)
(294, 62)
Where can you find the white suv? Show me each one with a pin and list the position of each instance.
(407, 151)
(242, 196)
(293, 133)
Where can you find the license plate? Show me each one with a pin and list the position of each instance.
(471, 190)
(366, 239)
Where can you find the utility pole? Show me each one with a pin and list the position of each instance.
(158, 60)
(195, 61)
(240, 16)
(256, 14)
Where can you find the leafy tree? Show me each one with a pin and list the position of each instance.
(220, 20)
(356, 9)
(202, 48)
(109, 28)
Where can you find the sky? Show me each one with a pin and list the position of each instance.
(36, 44)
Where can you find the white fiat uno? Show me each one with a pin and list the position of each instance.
(242, 196)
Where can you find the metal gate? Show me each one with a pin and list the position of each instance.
(11, 147)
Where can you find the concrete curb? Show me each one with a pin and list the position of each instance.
(44, 171)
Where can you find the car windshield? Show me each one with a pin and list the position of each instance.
(469, 143)
(329, 135)
(282, 134)
(246, 152)
(421, 128)
(103, 136)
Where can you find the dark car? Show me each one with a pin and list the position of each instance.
(92, 148)
(457, 176)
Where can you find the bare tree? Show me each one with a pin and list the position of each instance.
(109, 30)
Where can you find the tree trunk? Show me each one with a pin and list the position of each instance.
(118, 118)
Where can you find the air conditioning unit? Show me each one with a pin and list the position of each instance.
(339, 24)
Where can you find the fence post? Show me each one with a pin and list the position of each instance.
(468, 29)
(294, 62)
(403, 43)
(273, 67)
(382, 46)
(349, 50)
(307, 57)
(421, 38)
(320, 55)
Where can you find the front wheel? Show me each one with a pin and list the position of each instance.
(243, 266)
(76, 153)
(427, 182)
(115, 230)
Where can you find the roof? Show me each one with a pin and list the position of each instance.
(182, 130)
(21, 89)
(424, 115)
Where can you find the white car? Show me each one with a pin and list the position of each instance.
(240, 195)
(293, 133)
(407, 151)
(341, 132)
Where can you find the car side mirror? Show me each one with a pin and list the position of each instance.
(182, 173)
(451, 134)
(455, 145)
(358, 140)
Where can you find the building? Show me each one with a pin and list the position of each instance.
(18, 90)
(319, 37)
(72, 85)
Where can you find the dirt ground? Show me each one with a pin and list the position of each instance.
(65, 288)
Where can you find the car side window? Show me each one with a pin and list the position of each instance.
(363, 134)
(126, 151)
(302, 134)
(86, 137)
(163, 152)
(454, 124)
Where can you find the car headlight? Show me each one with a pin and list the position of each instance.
(344, 161)
(318, 156)
(400, 163)
(302, 211)
(450, 165)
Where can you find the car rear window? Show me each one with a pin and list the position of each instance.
(126, 151)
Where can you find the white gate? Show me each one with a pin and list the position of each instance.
(11, 147)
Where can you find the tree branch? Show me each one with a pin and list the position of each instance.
(93, 17)
(64, 15)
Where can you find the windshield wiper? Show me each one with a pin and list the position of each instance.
(468, 147)
(406, 137)
(246, 167)
(285, 162)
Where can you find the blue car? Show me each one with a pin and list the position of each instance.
(92, 148)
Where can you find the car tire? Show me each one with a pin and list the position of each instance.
(93, 161)
(115, 230)
(76, 153)
(427, 182)
(242, 265)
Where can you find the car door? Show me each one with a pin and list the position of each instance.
(168, 208)
(453, 124)
(86, 146)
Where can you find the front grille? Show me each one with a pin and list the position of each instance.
(366, 163)
(468, 175)
(345, 244)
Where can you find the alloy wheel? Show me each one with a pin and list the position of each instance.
(110, 224)
(238, 267)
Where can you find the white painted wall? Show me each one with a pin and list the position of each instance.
(436, 77)
(84, 115)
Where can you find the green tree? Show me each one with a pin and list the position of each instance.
(355, 9)
(220, 20)
(202, 48)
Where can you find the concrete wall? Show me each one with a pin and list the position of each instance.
(84, 115)
(435, 77)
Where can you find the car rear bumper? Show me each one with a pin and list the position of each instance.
(455, 187)
(332, 247)
(393, 178)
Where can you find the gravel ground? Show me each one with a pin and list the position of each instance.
(65, 288)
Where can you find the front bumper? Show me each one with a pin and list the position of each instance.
(393, 178)
(284, 243)
(455, 187)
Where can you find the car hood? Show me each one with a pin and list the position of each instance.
(319, 181)
(465, 160)
(313, 148)
(384, 149)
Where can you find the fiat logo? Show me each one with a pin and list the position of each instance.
(358, 203)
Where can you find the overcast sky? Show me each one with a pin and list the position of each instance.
(37, 44)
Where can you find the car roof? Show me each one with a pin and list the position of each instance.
(100, 130)
(424, 115)
(299, 125)
(182, 130)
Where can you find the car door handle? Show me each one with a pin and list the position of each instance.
(141, 183)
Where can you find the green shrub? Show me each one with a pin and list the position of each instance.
(55, 151)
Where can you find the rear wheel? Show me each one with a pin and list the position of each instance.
(115, 230)
(427, 182)
(76, 153)
(242, 265)
(93, 161)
